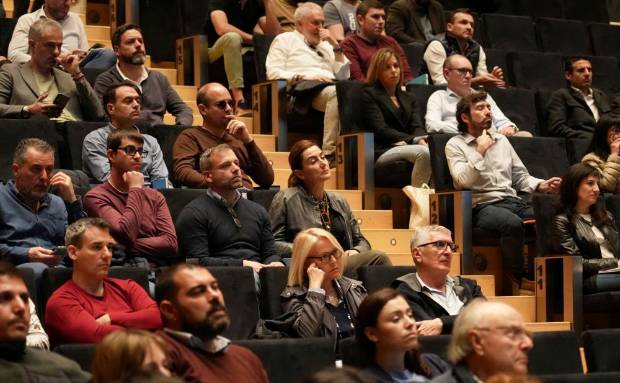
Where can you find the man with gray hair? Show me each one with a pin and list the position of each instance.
(311, 56)
(488, 338)
(38, 88)
(435, 297)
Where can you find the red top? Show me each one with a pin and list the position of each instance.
(71, 313)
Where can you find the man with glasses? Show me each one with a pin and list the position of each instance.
(489, 338)
(219, 126)
(122, 103)
(139, 217)
(221, 228)
(435, 297)
(441, 106)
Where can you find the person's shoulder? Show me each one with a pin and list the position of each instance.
(97, 190)
(97, 135)
(192, 132)
(74, 17)
(47, 357)
(109, 77)
(68, 290)
(561, 93)
(11, 67)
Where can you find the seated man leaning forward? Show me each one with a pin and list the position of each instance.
(91, 305)
(122, 104)
(139, 217)
(194, 315)
(435, 297)
(219, 126)
(221, 228)
(32, 220)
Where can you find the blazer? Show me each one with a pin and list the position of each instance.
(18, 88)
(457, 374)
(569, 115)
(403, 21)
(387, 122)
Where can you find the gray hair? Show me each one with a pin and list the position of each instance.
(36, 29)
(19, 156)
(205, 162)
(420, 235)
(305, 9)
(75, 231)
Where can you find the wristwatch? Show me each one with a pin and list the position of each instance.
(338, 49)
(26, 112)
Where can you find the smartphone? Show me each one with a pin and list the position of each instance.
(61, 100)
(60, 251)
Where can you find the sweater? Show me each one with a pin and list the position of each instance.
(608, 169)
(71, 313)
(139, 220)
(359, 51)
(36, 366)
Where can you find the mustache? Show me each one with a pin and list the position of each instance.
(216, 305)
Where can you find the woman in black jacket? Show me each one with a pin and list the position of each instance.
(391, 114)
(584, 228)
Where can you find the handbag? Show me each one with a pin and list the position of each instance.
(301, 92)
(420, 201)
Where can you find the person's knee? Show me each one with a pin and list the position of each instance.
(231, 40)
(512, 226)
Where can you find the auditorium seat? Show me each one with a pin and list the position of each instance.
(563, 36)
(349, 94)
(378, 277)
(605, 39)
(261, 48)
(74, 133)
(6, 31)
(555, 352)
(176, 199)
(544, 157)
(519, 106)
(542, 99)
(596, 377)
(82, 354)
(273, 280)
(166, 136)
(498, 57)
(421, 93)
(576, 149)
(606, 73)
(546, 8)
(601, 350)
(534, 70)
(586, 10)
(509, 32)
(414, 53)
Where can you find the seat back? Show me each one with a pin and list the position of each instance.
(261, 48)
(576, 149)
(166, 136)
(498, 57)
(287, 360)
(436, 344)
(414, 53)
(263, 197)
(353, 353)
(349, 93)
(378, 277)
(545, 207)
(439, 163)
(177, 199)
(519, 106)
(82, 354)
(601, 350)
(555, 352)
(586, 11)
(544, 157)
(509, 32)
(547, 8)
(31, 284)
(534, 70)
(272, 283)
(604, 38)
(74, 134)
(421, 93)
(239, 289)
(612, 204)
(606, 75)
(542, 99)
(553, 33)
(6, 32)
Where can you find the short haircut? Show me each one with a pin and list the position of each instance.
(448, 61)
(166, 288)
(464, 107)
(9, 270)
(205, 161)
(305, 9)
(302, 246)
(36, 29)
(378, 63)
(117, 135)
(75, 231)
(201, 95)
(420, 235)
(570, 61)
(467, 11)
(116, 36)
(110, 94)
(364, 7)
(22, 147)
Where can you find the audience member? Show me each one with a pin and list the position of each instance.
(391, 114)
(32, 220)
(138, 216)
(221, 228)
(312, 55)
(360, 47)
(194, 315)
(604, 154)
(386, 330)
(340, 18)
(21, 363)
(125, 354)
(37, 87)
(158, 96)
(280, 15)
(37, 337)
(435, 297)
(91, 305)
(344, 374)
(485, 163)
(122, 104)
(488, 338)
(574, 111)
(323, 302)
(219, 126)
(415, 21)
(584, 228)
(74, 39)
(307, 204)
(441, 105)
(459, 39)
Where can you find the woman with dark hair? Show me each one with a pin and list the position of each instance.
(583, 228)
(307, 204)
(604, 154)
(391, 114)
(386, 330)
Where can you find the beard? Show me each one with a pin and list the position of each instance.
(137, 58)
(12, 350)
(208, 328)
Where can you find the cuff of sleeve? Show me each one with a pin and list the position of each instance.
(478, 163)
(75, 209)
(317, 291)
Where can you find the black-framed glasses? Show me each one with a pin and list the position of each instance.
(512, 332)
(441, 245)
(463, 71)
(131, 150)
(327, 257)
(222, 104)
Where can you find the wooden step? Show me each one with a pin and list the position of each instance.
(281, 178)
(374, 219)
(171, 74)
(186, 92)
(526, 305)
(353, 197)
(486, 283)
(548, 326)
(192, 104)
(404, 259)
(98, 32)
(389, 241)
(279, 160)
(170, 120)
(267, 142)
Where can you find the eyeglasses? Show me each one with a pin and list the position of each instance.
(131, 150)
(463, 71)
(327, 257)
(511, 332)
(222, 104)
(441, 245)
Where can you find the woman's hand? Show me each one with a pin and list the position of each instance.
(615, 146)
(315, 277)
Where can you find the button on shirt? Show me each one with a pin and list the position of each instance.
(448, 299)
(492, 177)
(589, 98)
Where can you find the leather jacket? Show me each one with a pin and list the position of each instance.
(573, 234)
(293, 210)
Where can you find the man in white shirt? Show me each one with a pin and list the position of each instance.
(311, 53)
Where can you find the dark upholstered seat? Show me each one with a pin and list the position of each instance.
(563, 36)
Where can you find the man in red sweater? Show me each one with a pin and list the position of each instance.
(90, 305)
(194, 315)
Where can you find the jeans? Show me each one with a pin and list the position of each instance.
(418, 155)
(229, 46)
(601, 282)
(100, 59)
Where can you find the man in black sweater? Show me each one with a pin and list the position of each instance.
(221, 228)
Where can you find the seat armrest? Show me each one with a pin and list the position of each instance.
(355, 164)
(269, 111)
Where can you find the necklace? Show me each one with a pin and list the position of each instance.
(339, 291)
(324, 211)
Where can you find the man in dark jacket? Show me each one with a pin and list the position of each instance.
(435, 297)
(415, 21)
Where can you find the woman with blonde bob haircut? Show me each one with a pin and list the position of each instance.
(128, 353)
(322, 301)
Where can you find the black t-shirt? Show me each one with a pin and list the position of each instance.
(243, 14)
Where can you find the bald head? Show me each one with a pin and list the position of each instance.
(458, 73)
(204, 93)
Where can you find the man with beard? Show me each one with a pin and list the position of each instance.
(91, 305)
(20, 363)
(158, 95)
(194, 315)
(415, 21)
(484, 162)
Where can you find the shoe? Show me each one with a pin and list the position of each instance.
(243, 109)
(524, 287)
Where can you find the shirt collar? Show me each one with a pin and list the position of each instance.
(468, 138)
(44, 202)
(145, 75)
(584, 94)
(449, 284)
(218, 197)
(213, 346)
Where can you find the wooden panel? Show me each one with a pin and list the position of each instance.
(105, 42)
(400, 259)
(266, 142)
(486, 283)
(389, 241)
(170, 120)
(171, 74)
(279, 160)
(548, 326)
(192, 104)
(186, 92)
(526, 305)
(353, 197)
(97, 32)
(374, 219)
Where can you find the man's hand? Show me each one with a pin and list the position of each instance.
(488, 80)
(552, 185)
(508, 130)
(326, 36)
(237, 129)
(256, 266)
(497, 72)
(80, 53)
(315, 276)
(40, 107)
(71, 63)
(423, 141)
(399, 143)
(133, 179)
(430, 327)
(104, 319)
(64, 185)
(348, 253)
(43, 255)
(484, 141)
